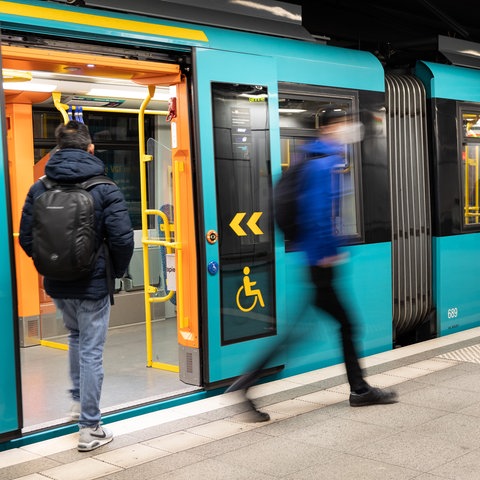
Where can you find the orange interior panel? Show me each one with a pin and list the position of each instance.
(139, 71)
(20, 155)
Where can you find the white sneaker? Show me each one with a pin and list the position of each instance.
(75, 410)
(93, 437)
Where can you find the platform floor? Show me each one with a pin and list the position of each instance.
(432, 433)
(127, 381)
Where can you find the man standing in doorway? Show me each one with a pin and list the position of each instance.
(85, 303)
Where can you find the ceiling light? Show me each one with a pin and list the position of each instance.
(10, 75)
(128, 93)
(30, 86)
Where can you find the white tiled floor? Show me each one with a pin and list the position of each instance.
(178, 441)
(221, 429)
(86, 469)
(292, 407)
(132, 455)
(324, 397)
(15, 456)
(54, 445)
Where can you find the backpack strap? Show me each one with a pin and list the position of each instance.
(86, 185)
(48, 182)
(97, 180)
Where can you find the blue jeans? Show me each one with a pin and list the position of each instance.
(87, 322)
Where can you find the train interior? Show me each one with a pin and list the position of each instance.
(113, 96)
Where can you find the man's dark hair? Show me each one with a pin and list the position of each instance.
(73, 135)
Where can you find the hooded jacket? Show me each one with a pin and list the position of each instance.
(316, 200)
(112, 223)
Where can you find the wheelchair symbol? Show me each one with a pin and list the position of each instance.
(246, 291)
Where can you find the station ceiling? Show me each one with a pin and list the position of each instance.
(399, 32)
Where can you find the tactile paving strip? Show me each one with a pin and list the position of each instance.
(468, 354)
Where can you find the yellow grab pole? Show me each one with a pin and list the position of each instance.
(467, 200)
(124, 110)
(143, 199)
(167, 243)
(476, 186)
(56, 96)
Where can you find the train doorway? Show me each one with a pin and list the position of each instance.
(140, 126)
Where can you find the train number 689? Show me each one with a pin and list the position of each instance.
(452, 312)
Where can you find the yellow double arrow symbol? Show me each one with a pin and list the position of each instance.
(251, 224)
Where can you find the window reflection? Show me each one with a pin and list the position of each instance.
(299, 121)
(243, 185)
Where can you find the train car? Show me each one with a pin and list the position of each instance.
(195, 120)
(454, 114)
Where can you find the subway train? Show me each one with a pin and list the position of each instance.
(196, 113)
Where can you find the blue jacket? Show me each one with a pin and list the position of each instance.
(112, 222)
(316, 199)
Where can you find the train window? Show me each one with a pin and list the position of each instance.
(115, 137)
(243, 190)
(299, 121)
(471, 165)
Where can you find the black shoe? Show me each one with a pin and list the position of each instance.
(374, 396)
(254, 415)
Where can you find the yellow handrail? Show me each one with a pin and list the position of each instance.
(124, 110)
(63, 107)
(56, 96)
(143, 199)
(162, 243)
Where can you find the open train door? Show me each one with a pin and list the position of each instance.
(10, 383)
(237, 108)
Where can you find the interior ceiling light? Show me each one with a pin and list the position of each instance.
(72, 69)
(10, 75)
(30, 86)
(130, 93)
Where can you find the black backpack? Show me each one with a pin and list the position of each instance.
(285, 196)
(64, 229)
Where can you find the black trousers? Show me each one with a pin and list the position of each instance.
(326, 299)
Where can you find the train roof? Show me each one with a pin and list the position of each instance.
(323, 64)
(449, 82)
